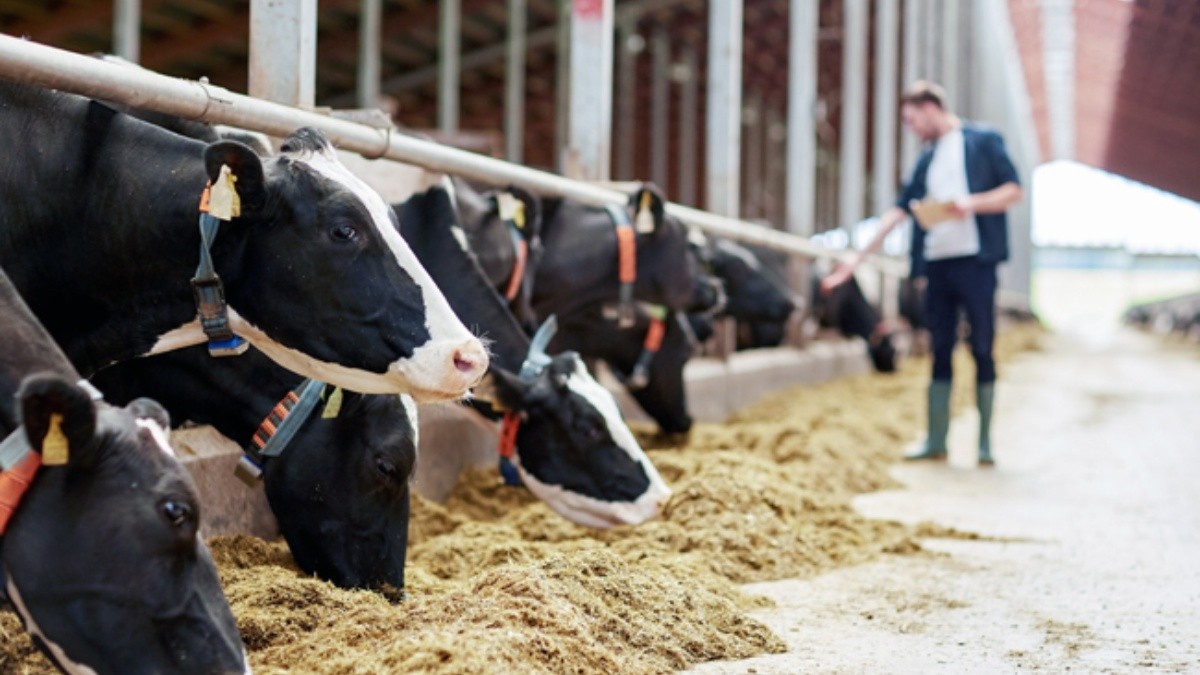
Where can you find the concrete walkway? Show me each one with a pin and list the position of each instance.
(1093, 512)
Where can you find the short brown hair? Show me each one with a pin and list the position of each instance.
(924, 92)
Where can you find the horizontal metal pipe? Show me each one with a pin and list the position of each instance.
(28, 62)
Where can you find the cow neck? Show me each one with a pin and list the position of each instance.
(428, 223)
(125, 228)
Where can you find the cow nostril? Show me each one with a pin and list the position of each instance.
(464, 363)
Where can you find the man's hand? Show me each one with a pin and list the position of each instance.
(840, 275)
(963, 207)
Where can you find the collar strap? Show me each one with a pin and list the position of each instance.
(640, 376)
(535, 362)
(278, 429)
(512, 212)
(217, 203)
(626, 264)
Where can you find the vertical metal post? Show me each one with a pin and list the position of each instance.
(562, 83)
(283, 51)
(950, 55)
(775, 181)
(660, 106)
(369, 21)
(514, 84)
(629, 45)
(689, 102)
(449, 51)
(724, 142)
(853, 158)
(590, 128)
(887, 30)
(930, 63)
(752, 121)
(912, 71)
(803, 23)
(127, 22)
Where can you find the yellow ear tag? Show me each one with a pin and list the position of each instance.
(56, 450)
(511, 208)
(223, 200)
(645, 219)
(334, 405)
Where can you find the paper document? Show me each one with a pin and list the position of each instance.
(929, 212)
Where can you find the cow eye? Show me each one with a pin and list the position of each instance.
(386, 468)
(343, 232)
(175, 511)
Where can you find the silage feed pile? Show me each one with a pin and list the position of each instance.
(497, 583)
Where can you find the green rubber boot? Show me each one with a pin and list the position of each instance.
(939, 424)
(984, 395)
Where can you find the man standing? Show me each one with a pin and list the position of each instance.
(961, 186)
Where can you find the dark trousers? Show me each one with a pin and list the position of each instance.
(962, 284)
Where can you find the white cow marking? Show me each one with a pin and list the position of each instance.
(158, 434)
(60, 657)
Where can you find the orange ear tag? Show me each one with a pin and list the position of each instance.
(56, 449)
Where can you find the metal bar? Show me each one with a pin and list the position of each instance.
(689, 137)
(449, 48)
(950, 45)
(660, 106)
(887, 28)
(629, 44)
(369, 21)
(514, 84)
(283, 51)
(752, 156)
(803, 24)
(853, 158)
(912, 68)
(57, 69)
(589, 132)
(724, 143)
(127, 22)
(562, 82)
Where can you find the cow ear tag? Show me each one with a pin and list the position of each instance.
(56, 449)
(645, 219)
(511, 209)
(333, 406)
(223, 200)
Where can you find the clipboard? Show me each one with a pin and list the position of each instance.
(930, 212)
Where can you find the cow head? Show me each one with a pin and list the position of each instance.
(574, 450)
(102, 560)
(318, 278)
(665, 270)
(753, 292)
(340, 491)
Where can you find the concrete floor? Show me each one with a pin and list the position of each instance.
(1094, 516)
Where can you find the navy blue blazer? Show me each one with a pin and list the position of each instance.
(988, 167)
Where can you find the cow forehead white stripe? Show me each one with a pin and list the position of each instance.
(158, 433)
(59, 656)
(410, 410)
(439, 318)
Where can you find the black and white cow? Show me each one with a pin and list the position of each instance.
(101, 558)
(579, 265)
(508, 250)
(574, 451)
(98, 230)
(847, 310)
(339, 491)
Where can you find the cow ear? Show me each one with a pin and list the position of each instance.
(59, 418)
(648, 206)
(533, 211)
(149, 409)
(243, 163)
(502, 390)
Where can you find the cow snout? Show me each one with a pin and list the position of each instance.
(445, 370)
(471, 360)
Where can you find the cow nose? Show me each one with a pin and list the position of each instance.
(471, 359)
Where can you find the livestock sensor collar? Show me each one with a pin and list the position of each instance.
(535, 362)
(219, 202)
(280, 425)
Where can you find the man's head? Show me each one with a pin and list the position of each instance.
(923, 110)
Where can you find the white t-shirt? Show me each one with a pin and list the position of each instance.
(947, 180)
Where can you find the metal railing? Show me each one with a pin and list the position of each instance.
(31, 63)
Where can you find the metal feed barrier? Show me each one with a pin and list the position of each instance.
(31, 63)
